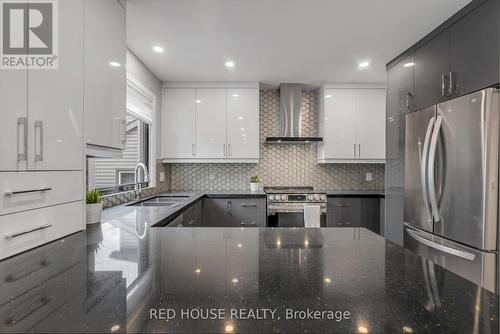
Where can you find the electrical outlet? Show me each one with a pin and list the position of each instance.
(162, 176)
(369, 177)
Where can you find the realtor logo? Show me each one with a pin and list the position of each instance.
(28, 34)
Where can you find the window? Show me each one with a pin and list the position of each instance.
(117, 175)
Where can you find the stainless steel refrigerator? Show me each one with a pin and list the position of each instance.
(451, 185)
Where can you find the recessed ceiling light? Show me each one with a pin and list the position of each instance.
(234, 280)
(198, 270)
(158, 49)
(114, 64)
(328, 280)
(240, 118)
(328, 96)
(409, 64)
(229, 63)
(236, 95)
(364, 64)
(229, 329)
(198, 101)
(240, 245)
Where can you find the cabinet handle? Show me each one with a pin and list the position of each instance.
(251, 205)
(39, 126)
(42, 301)
(13, 277)
(18, 192)
(354, 149)
(23, 123)
(408, 102)
(193, 150)
(123, 133)
(251, 224)
(228, 208)
(444, 78)
(18, 234)
(452, 83)
(359, 150)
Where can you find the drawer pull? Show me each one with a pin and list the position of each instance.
(42, 301)
(18, 234)
(341, 205)
(251, 205)
(251, 224)
(18, 192)
(12, 277)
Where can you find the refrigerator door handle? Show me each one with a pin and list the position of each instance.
(443, 248)
(423, 162)
(431, 166)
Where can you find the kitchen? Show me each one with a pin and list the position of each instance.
(166, 156)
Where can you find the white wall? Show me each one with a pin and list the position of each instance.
(140, 72)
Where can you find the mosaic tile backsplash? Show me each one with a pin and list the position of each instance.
(280, 165)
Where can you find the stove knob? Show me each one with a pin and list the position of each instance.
(316, 197)
(283, 197)
(271, 197)
(323, 197)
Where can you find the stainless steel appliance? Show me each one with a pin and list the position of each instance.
(451, 185)
(285, 205)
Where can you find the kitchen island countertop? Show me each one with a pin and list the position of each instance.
(127, 276)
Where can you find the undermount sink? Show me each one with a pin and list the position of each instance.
(170, 201)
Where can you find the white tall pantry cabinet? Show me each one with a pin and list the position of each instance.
(212, 123)
(352, 124)
(45, 113)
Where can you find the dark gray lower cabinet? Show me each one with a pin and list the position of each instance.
(235, 212)
(193, 216)
(354, 212)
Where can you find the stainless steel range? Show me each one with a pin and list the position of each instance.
(285, 205)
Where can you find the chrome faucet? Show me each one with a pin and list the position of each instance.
(138, 187)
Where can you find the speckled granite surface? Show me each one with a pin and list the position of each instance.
(123, 276)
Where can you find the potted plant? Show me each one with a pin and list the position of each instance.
(94, 206)
(254, 183)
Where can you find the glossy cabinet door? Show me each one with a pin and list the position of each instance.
(432, 71)
(243, 123)
(216, 212)
(211, 123)
(104, 73)
(14, 120)
(340, 124)
(474, 53)
(400, 88)
(55, 99)
(370, 123)
(178, 118)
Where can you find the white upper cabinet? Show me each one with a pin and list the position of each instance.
(55, 99)
(340, 123)
(242, 123)
(14, 120)
(210, 124)
(370, 113)
(42, 109)
(352, 123)
(104, 73)
(178, 120)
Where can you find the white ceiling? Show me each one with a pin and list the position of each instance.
(273, 41)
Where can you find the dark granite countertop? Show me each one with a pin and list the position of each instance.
(122, 275)
(161, 215)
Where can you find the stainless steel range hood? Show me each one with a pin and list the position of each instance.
(290, 130)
